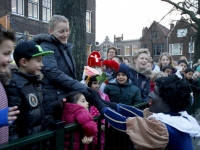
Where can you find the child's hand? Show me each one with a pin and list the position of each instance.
(87, 140)
(11, 114)
(103, 127)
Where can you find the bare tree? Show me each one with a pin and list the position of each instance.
(190, 9)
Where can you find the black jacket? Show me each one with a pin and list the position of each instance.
(59, 74)
(142, 82)
(24, 90)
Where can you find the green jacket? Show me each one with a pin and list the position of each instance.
(127, 93)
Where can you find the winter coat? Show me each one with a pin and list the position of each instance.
(24, 90)
(94, 111)
(59, 74)
(142, 82)
(77, 113)
(127, 93)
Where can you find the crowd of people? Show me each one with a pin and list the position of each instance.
(42, 87)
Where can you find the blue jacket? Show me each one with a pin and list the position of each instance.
(142, 82)
(127, 93)
(4, 117)
(59, 74)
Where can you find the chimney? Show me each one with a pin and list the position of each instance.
(144, 30)
(171, 26)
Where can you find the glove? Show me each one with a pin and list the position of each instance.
(94, 99)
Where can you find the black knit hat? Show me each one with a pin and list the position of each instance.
(29, 49)
(125, 69)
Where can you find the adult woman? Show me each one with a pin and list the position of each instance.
(111, 52)
(139, 74)
(59, 68)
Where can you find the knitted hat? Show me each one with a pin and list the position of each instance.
(125, 69)
(94, 59)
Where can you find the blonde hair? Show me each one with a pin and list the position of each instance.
(55, 19)
(140, 51)
(156, 75)
(171, 63)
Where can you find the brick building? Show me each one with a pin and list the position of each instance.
(31, 17)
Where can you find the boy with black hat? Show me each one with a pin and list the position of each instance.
(121, 89)
(24, 90)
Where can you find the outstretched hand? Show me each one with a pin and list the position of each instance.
(11, 114)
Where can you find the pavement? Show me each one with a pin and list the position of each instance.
(196, 141)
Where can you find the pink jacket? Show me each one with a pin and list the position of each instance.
(76, 113)
(94, 111)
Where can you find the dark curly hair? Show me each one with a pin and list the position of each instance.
(166, 67)
(92, 79)
(175, 92)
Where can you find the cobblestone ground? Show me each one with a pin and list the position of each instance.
(196, 142)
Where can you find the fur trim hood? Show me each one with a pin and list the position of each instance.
(39, 38)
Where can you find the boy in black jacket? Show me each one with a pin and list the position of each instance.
(24, 90)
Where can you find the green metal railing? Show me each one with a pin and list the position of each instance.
(55, 136)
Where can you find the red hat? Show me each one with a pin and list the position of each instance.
(94, 59)
(111, 64)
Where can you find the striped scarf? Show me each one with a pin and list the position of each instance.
(3, 104)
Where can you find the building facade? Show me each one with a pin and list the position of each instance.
(31, 17)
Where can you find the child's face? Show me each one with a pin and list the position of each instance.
(149, 66)
(82, 101)
(168, 72)
(121, 78)
(189, 75)
(183, 65)
(95, 85)
(61, 32)
(164, 60)
(33, 66)
(6, 50)
(196, 75)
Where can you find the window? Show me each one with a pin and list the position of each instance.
(46, 10)
(18, 7)
(33, 6)
(176, 49)
(158, 49)
(181, 32)
(127, 49)
(191, 47)
(154, 35)
(134, 48)
(88, 49)
(88, 21)
(118, 47)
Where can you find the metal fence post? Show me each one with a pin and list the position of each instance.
(57, 143)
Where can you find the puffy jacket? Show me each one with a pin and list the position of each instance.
(142, 82)
(76, 113)
(24, 90)
(59, 74)
(127, 93)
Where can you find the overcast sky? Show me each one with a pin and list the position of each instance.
(128, 17)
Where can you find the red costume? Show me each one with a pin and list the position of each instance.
(76, 113)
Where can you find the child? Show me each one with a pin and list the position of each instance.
(183, 64)
(164, 125)
(24, 90)
(188, 74)
(76, 110)
(166, 59)
(7, 115)
(167, 70)
(121, 90)
(94, 84)
(196, 75)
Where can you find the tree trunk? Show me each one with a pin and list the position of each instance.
(197, 45)
(75, 11)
